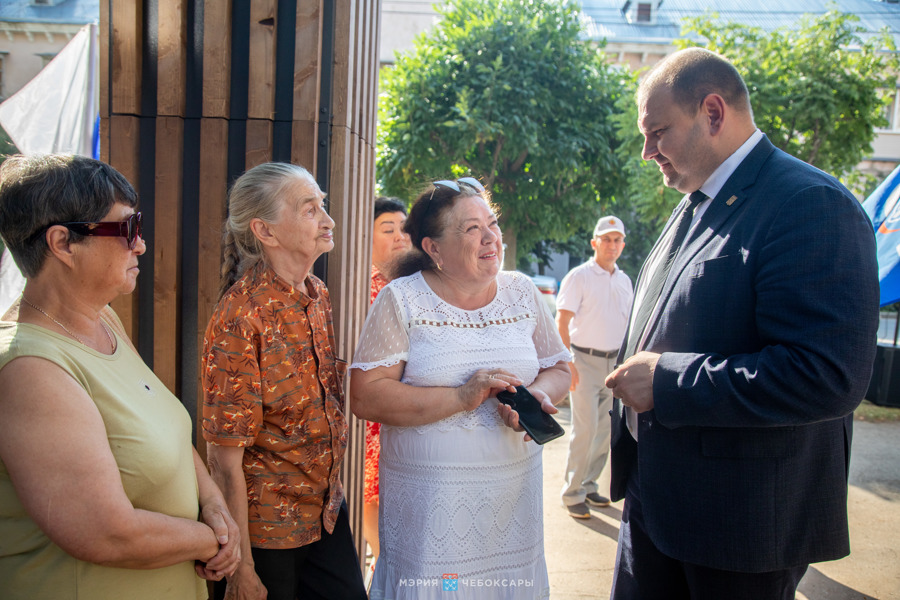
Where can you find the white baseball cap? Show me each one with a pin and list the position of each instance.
(607, 224)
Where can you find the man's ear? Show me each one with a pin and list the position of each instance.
(713, 107)
(58, 243)
(263, 232)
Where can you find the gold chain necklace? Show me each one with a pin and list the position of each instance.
(66, 329)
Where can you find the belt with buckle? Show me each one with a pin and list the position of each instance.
(592, 352)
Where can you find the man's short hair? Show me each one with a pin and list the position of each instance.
(694, 73)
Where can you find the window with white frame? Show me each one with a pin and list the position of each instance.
(45, 57)
(640, 13)
(644, 12)
(892, 112)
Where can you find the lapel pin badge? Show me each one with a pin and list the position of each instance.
(731, 200)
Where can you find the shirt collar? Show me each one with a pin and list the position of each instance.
(301, 294)
(599, 268)
(716, 181)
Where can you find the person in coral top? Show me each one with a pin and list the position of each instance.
(389, 242)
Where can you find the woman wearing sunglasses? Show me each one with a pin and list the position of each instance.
(102, 495)
(460, 486)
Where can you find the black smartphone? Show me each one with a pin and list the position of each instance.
(539, 425)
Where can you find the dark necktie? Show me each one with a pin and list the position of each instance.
(657, 279)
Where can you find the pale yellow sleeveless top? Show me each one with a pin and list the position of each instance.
(149, 433)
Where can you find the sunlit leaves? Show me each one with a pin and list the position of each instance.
(505, 90)
(815, 89)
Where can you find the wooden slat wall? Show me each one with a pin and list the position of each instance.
(352, 174)
(194, 92)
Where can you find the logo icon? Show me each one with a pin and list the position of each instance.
(451, 582)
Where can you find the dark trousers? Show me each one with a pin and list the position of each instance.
(644, 573)
(327, 569)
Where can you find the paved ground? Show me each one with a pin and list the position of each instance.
(581, 553)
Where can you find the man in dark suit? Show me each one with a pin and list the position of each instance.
(750, 343)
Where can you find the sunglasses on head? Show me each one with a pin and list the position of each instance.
(130, 228)
(454, 185)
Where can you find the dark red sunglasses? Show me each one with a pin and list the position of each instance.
(130, 228)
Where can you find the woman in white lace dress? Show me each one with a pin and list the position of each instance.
(461, 502)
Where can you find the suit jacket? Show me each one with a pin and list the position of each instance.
(767, 335)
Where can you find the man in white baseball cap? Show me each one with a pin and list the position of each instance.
(592, 307)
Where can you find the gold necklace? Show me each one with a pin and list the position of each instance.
(66, 329)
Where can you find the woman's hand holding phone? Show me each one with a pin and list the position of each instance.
(524, 411)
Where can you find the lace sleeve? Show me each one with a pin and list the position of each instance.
(549, 346)
(384, 340)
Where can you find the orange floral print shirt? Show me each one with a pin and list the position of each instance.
(272, 385)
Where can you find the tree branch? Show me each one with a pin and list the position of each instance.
(439, 141)
(816, 142)
(496, 159)
(517, 164)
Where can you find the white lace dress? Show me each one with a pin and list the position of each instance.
(460, 499)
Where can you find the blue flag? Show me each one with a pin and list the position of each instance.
(883, 207)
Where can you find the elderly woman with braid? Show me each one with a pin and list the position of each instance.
(273, 412)
(102, 495)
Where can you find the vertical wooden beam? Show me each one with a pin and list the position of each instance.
(345, 37)
(128, 39)
(216, 58)
(259, 142)
(212, 201)
(104, 44)
(213, 191)
(123, 153)
(172, 63)
(357, 68)
(304, 145)
(261, 98)
(104, 139)
(307, 82)
(351, 188)
(167, 251)
(307, 55)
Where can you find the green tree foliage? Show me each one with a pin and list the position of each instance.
(815, 92)
(504, 90)
(7, 148)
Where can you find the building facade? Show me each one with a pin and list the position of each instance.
(33, 31)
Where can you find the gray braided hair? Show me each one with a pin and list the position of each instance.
(255, 195)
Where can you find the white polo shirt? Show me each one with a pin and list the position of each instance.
(601, 302)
